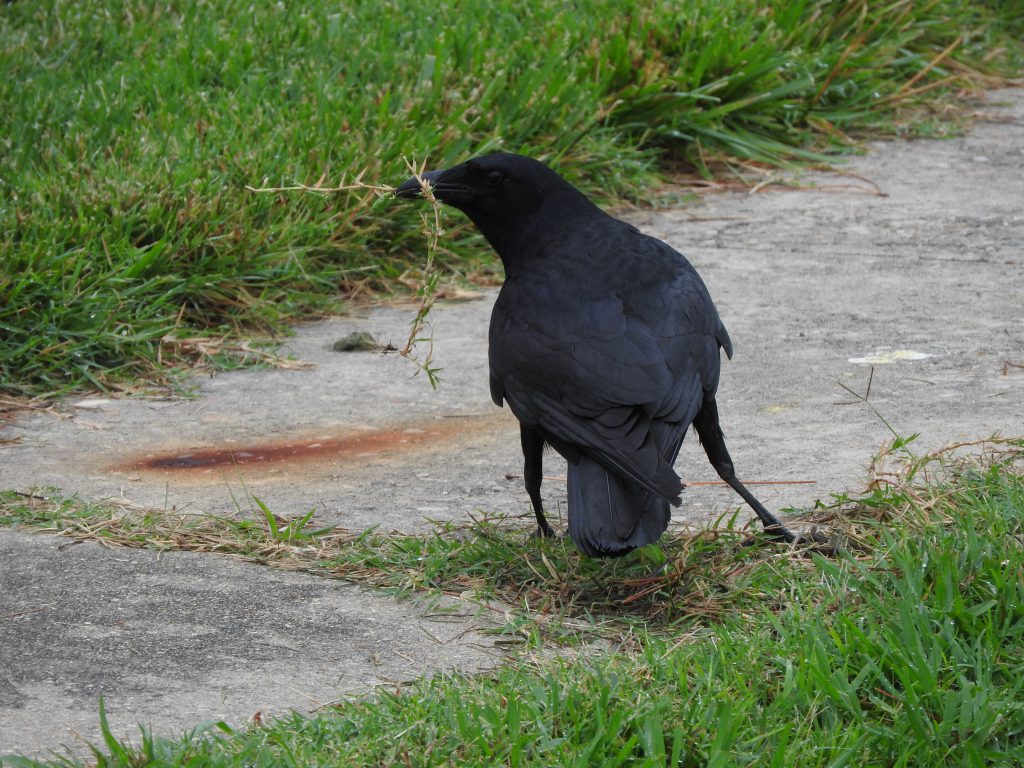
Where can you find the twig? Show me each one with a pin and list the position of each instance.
(691, 484)
(762, 184)
(209, 347)
(433, 231)
(865, 179)
(561, 479)
(554, 478)
(381, 190)
(10, 405)
(948, 449)
(31, 496)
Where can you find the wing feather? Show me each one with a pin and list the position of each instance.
(615, 367)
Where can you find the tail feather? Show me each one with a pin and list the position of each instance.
(608, 515)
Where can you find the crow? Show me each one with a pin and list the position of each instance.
(605, 344)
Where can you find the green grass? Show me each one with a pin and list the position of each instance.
(129, 131)
(560, 594)
(906, 650)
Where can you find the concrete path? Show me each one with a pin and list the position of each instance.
(817, 285)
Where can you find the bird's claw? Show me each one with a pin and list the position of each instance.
(812, 539)
(543, 532)
(819, 541)
(778, 532)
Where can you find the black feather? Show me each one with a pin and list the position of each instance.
(603, 341)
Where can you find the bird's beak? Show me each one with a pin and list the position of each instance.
(448, 186)
(412, 189)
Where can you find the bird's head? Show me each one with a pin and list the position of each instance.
(501, 183)
(505, 195)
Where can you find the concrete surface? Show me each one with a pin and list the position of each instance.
(816, 286)
(174, 639)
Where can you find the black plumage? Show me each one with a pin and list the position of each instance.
(605, 344)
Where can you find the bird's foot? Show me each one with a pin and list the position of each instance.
(778, 532)
(543, 532)
(819, 541)
(774, 530)
(812, 539)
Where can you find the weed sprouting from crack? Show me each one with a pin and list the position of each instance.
(865, 399)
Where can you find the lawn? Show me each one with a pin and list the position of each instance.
(130, 131)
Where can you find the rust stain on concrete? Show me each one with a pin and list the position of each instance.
(350, 446)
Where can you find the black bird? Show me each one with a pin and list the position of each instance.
(605, 344)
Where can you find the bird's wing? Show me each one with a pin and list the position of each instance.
(615, 367)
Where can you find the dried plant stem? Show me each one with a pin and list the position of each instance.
(207, 348)
(381, 190)
(693, 483)
(432, 231)
(427, 292)
(907, 86)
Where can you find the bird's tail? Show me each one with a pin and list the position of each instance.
(609, 517)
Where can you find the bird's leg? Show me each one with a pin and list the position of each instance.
(533, 462)
(710, 433)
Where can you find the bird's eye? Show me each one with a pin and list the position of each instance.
(494, 177)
